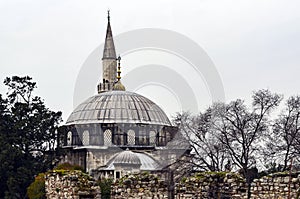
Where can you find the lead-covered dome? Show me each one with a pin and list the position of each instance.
(127, 157)
(118, 107)
(145, 162)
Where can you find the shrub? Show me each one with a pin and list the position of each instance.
(68, 166)
(36, 190)
(105, 186)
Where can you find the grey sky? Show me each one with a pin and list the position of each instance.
(253, 43)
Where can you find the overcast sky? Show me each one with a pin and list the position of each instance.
(254, 44)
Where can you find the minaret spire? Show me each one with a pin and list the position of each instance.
(108, 16)
(109, 46)
(109, 61)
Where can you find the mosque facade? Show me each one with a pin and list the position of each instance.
(117, 132)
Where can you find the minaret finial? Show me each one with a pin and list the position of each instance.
(108, 15)
(118, 85)
(119, 68)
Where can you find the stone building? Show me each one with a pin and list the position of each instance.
(117, 131)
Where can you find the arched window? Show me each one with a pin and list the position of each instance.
(168, 136)
(143, 137)
(85, 138)
(119, 136)
(69, 138)
(131, 137)
(152, 137)
(107, 137)
(162, 138)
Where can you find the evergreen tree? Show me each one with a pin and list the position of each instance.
(28, 137)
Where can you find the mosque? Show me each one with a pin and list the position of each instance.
(117, 132)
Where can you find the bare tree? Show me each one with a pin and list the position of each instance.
(208, 152)
(284, 139)
(232, 133)
(242, 130)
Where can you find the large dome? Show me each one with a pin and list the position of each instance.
(118, 107)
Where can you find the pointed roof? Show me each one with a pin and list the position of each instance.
(109, 51)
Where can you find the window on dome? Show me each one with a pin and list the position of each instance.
(131, 137)
(168, 136)
(69, 138)
(107, 137)
(162, 138)
(143, 138)
(75, 138)
(85, 138)
(95, 136)
(152, 137)
(119, 137)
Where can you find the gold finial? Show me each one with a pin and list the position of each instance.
(119, 68)
(118, 85)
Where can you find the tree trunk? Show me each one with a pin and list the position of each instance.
(171, 194)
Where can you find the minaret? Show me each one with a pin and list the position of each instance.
(109, 61)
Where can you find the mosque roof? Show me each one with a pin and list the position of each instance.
(118, 107)
(128, 157)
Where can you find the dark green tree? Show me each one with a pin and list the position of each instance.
(28, 137)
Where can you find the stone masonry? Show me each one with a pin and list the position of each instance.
(276, 186)
(219, 185)
(140, 186)
(63, 184)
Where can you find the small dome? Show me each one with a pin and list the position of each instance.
(118, 107)
(119, 86)
(146, 162)
(127, 157)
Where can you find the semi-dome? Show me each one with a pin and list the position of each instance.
(118, 107)
(146, 162)
(127, 157)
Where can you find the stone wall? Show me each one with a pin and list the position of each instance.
(219, 185)
(203, 185)
(70, 185)
(209, 185)
(276, 186)
(140, 186)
